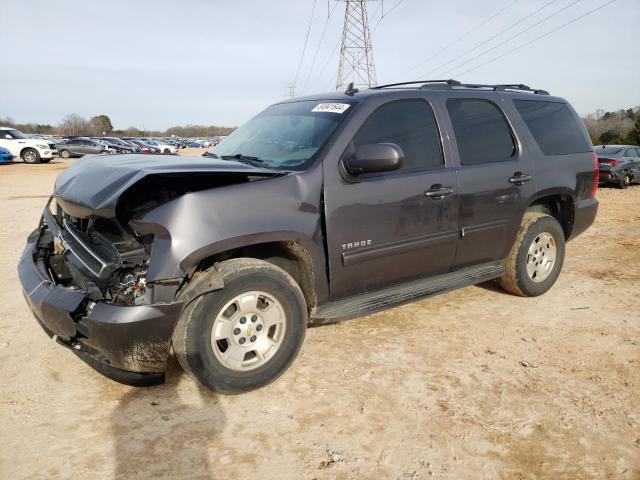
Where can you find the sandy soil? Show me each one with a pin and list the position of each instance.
(432, 389)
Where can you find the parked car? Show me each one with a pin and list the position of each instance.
(318, 209)
(163, 147)
(144, 146)
(120, 145)
(619, 164)
(5, 156)
(80, 146)
(30, 150)
(107, 145)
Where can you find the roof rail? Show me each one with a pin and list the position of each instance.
(449, 82)
(455, 84)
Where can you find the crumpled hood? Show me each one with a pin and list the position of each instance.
(92, 185)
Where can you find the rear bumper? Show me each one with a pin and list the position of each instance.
(585, 215)
(129, 344)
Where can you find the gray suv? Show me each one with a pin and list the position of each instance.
(319, 209)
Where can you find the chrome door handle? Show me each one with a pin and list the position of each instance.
(438, 191)
(519, 178)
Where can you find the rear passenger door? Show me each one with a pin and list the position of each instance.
(494, 176)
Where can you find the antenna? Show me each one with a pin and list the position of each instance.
(356, 53)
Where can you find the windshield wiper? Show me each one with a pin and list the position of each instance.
(255, 161)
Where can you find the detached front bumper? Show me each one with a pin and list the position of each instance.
(129, 344)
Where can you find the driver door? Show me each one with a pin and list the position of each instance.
(390, 227)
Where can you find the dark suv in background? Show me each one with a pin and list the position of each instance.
(318, 209)
(619, 164)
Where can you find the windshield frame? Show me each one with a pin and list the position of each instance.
(304, 164)
(19, 136)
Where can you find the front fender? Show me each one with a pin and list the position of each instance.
(200, 224)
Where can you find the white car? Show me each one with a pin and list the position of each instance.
(30, 150)
(164, 147)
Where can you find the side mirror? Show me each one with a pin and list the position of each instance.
(8, 137)
(375, 158)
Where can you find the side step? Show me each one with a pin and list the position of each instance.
(403, 293)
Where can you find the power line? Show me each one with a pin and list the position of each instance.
(536, 38)
(315, 56)
(460, 38)
(488, 50)
(526, 17)
(306, 38)
(386, 14)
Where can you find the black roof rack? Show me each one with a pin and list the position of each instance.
(451, 84)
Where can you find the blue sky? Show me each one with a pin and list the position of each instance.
(162, 63)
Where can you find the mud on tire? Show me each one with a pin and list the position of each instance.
(197, 339)
(535, 227)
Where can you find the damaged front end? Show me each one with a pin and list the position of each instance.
(85, 281)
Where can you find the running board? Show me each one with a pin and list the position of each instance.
(394, 295)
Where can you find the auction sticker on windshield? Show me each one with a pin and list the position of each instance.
(331, 107)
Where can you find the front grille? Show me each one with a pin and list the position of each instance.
(79, 249)
(52, 146)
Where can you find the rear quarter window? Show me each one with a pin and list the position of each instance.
(553, 127)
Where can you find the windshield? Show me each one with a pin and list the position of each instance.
(284, 136)
(16, 134)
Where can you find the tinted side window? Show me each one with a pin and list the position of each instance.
(553, 126)
(631, 152)
(410, 124)
(482, 133)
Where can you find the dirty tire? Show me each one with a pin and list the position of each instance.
(515, 278)
(625, 181)
(192, 343)
(30, 155)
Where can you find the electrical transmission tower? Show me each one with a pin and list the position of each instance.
(356, 52)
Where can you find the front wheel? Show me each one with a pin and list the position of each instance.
(245, 335)
(536, 257)
(65, 154)
(30, 155)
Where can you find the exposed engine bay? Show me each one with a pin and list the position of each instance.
(105, 257)
(99, 257)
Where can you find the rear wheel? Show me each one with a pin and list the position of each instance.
(245, 335)
(625, 181)
(65, 154)
(30, 155)
(536, 257)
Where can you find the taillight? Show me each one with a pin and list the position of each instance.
(608, 161)
(596, 175)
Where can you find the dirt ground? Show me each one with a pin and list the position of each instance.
(434, 389)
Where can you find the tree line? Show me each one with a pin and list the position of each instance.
(619, 127)
(609, 128)
(100, 125)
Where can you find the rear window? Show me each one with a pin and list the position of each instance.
(553, 126)
(607, 150)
